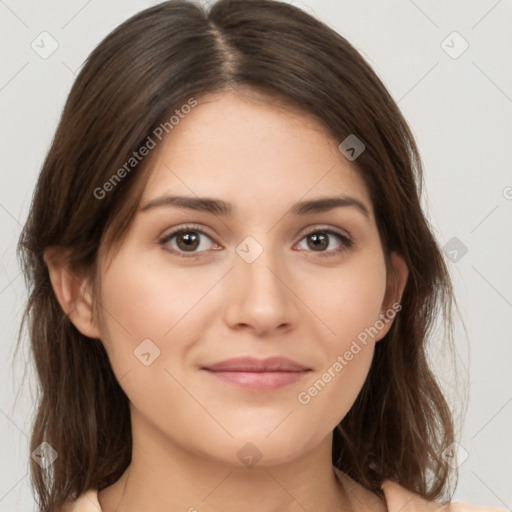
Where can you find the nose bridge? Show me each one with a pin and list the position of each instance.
(259, 297)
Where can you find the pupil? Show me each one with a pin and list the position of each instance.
(320, 241)
(190, 240)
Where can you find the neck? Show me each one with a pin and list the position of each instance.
(173, 478)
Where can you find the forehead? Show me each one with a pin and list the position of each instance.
(247, 148)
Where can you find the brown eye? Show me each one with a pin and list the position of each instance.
(326, 242)
(318, 241)
(188, 241)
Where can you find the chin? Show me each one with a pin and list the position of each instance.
(256, 449)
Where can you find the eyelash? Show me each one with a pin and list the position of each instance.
(346, 242)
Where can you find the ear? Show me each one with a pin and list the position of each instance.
(71, 290)
(397, 279)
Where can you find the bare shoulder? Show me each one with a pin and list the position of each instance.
(399, 498)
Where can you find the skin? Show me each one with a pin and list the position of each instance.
(187, 425)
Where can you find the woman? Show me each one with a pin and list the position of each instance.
(232, 280)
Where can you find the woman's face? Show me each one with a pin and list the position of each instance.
(260, 270)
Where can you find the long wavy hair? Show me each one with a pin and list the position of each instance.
(143, 71)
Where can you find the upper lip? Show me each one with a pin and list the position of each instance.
(252, 364)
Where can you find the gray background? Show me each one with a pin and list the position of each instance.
(459, 106)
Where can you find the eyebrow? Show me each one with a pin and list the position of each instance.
(219, 207)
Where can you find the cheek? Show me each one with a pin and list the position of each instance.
(351, 314)
(149, 300)
(349, 304)
(144, 302)
(326, 399)
(150, 320)
(347, 300)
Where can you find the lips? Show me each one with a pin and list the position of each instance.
(251, 364)
(258, 375)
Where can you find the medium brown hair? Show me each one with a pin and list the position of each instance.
(132, 82)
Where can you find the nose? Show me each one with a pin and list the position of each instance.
(260, 296)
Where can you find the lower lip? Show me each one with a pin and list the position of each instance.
(259, 381)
